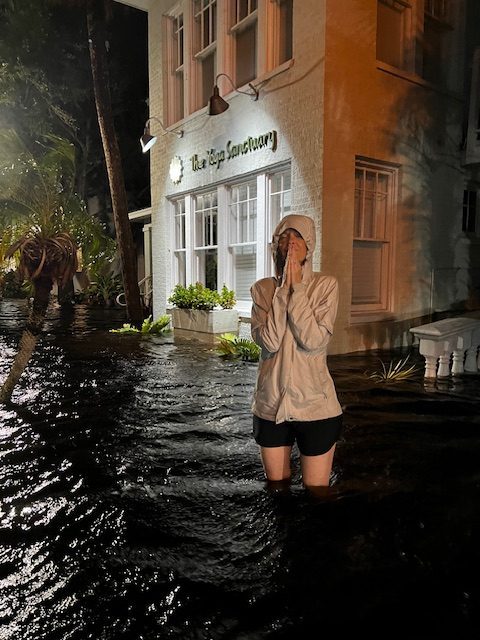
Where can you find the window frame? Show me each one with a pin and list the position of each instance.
(470, 211)
(443, 16)
(174, 76)
(441, 27)
(225, 258)
(416, 64)
(265, 16)
(387, 240)
(236, 28)
(409, 12)
(199, 251)
(203, 52)
(179, 251)
(251, 242)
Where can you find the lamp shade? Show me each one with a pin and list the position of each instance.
(147, 141)
(216, 104)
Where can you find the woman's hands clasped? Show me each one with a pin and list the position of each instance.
(292, 271)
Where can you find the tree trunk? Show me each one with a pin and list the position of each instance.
(29, 339)
(98, 58)
(66, 294)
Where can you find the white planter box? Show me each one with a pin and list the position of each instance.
(208, 323)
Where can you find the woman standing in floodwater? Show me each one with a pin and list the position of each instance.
(292, 321)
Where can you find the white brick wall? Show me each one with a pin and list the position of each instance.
(335, 103)
(290, 103)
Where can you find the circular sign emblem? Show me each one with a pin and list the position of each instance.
(176, 169)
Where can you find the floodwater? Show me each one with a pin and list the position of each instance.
(133, 504)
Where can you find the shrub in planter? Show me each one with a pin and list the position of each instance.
(197, 296)
(199, 310)
(227, 298)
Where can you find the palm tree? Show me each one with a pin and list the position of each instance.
(23, 72)
(40, 217)
(97, 13)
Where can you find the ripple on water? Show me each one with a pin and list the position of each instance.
(132, 503)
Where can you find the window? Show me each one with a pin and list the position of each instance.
(202, 38)
(437, 9)
(243, 28)
(205, 214)
(280, 204)
(373, 225)
(175, 68)
(280, 196)
(222, 237)
(179, 252)
(205, 45)
(243, 237)
(285, 32)
(434, 41)
(279, 42)
(415, 36)
(469, 220)
(393, 32)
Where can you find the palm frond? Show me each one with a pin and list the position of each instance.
(395, 372)
(42, 220)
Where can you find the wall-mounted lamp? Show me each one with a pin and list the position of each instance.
(147, 140)
(217, 104)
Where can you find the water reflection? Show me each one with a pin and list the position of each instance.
(133, 503)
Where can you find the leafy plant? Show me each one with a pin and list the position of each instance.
(227, 298)
(197, 296)
(227, 346)
(149, 326)
(104, 289)
(394, 372)
(156, 326)
(232, 346)
(12, 287)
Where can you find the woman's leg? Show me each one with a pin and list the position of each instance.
(276, 462)
(316, 469)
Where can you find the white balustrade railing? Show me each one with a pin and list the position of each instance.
(449, 346)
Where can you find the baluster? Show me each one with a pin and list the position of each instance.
(430, 366)
(443, 366)
(471, 360)
(457, 364)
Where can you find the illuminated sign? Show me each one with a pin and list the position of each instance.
(215, 157)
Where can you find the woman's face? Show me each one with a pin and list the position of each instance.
(290, 241)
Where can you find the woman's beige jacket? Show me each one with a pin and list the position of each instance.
(293, 330)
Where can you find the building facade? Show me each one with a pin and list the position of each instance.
(367, 120)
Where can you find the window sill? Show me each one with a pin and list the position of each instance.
(416, 79)
(244, 308)
(285, 66)
(244, 23)
(367, 317)
(206, 51)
